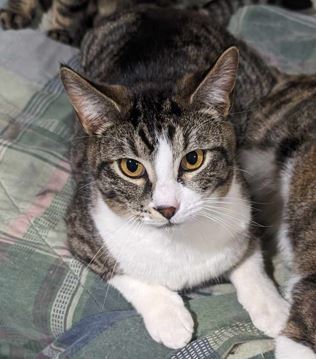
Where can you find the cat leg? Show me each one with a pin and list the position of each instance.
(298, 340)
(17, 14)
(258, 295)
(163, 311)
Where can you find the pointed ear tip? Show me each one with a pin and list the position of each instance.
(234, 48)
(232, 56)
(233, 51)
(63, 69)
(63, 66)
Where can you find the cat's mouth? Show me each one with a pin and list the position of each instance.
(169, 225)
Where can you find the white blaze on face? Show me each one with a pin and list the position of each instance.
(168, 192)
(167, 189)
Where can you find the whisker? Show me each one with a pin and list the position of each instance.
(250, 201)
(239, 216)
(218, 221)
(221, 212)
(225, 209)
(86, 185)
(228, 217)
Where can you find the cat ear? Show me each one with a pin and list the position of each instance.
(215, 88)
(97, 107)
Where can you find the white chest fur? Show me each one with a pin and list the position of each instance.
(183, 257)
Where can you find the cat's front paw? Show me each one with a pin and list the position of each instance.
(269, 314)
(61, 35)
(13, 20)
(169, 322)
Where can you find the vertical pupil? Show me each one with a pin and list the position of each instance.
(132, 165)
(191, 157)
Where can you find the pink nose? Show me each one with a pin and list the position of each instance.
(167, 212)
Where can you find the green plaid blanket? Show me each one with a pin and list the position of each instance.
(51, 305)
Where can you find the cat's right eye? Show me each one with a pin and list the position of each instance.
(131, 168)
(192, 160)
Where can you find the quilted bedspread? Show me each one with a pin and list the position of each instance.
(51, 305)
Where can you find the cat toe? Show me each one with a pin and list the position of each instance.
(289, 349)
(61, 35)
(13, 20)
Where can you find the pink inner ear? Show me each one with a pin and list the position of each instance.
(216, 87)
(95, 110)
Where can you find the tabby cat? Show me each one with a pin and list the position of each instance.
(68, 20)
(160, 203)
(279, 157)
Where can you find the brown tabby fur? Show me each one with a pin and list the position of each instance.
(70, 19)
(281, 134)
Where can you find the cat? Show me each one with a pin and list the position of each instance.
(67, 21)
(279, 159)
(160, 203)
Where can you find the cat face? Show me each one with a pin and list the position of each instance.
(177, 167)
(159, 158)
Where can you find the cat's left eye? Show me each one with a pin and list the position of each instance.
(131, 168)
(192, 160)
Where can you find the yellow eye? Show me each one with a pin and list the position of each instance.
(192, 160)
(131, 168)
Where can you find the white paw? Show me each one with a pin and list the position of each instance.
(289, 349)
(269, 314)
(168, 321)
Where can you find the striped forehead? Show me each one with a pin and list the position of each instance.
(149, 138)
(153, 117)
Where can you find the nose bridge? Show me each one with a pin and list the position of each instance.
(165, 193)
(165, 189)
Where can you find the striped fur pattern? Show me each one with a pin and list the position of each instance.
(279, 157)
(18, 14)
(65, 20)
(132, 35)
(68, 20)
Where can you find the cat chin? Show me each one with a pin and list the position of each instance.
(169, 227)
